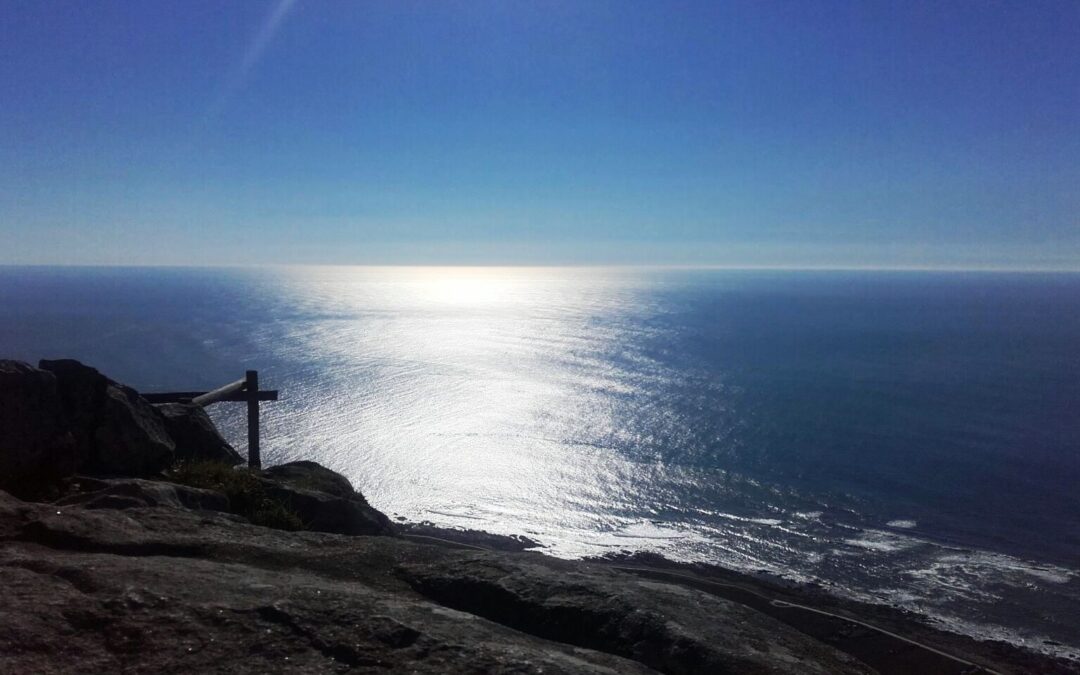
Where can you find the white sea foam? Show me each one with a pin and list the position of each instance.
(878, 540)
(745, 519)
(452, 514)
(648, 530)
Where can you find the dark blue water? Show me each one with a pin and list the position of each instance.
(911, 438)
(953, 398)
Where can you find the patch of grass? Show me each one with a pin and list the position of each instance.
(246, 495)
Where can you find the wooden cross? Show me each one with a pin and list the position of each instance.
(246, 390)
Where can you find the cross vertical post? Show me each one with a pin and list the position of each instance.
(251, 389)
(245, 390)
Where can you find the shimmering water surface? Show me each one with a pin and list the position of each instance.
(910, 438)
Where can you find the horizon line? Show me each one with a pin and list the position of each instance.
(613, 266)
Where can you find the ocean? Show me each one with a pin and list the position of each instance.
(908, 438)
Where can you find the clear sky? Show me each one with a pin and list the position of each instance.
(798, 133)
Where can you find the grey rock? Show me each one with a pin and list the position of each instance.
(466, 538)
(324, 500)
(36, 449)
(115, 592)
(131, 492)
(195, 435)
(116, 431)
(670, 628)
(82, 392)
(130, 437)
(313, 476)
(156, 589)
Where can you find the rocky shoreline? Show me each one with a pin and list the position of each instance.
(129, 543)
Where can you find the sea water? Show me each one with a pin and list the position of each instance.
(909, 438)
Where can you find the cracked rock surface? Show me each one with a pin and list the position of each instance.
(168, 589)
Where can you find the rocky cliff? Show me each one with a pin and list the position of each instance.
(131, 546)
(109, 587)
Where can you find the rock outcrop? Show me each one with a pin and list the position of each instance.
(36, 449)
(324, 500)
(167, 589)
(195, 435)
(669, 628)
(123, 493)
(116, 431)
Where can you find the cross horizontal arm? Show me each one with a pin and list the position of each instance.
(219, 394)
(186, 396)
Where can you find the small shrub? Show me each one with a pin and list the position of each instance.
(277, 515)
(246, 495)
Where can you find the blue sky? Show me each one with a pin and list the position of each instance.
(732, 133)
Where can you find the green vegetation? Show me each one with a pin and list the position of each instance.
(246, 495)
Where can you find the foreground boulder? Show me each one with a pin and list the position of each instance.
(324, 500)
(156, 589)
(116, 431)
(195, 436)
(35, 448)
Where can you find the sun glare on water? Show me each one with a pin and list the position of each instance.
(452, 380)
(469, 286)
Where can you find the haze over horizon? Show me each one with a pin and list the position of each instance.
(831, 134)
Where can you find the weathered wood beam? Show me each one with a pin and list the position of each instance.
(219, 393)
(188, 396)
(251, 384)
